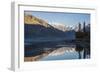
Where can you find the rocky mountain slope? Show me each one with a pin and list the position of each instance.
(29, 19)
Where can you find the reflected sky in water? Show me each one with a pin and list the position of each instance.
(62, 54)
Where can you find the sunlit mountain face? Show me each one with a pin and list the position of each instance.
(30, 19)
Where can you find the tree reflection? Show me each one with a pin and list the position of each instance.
(79, 48)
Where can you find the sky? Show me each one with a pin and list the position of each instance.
(68, 19)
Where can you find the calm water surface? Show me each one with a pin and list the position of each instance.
(50, 51)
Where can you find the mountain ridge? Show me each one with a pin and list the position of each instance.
(32, 20)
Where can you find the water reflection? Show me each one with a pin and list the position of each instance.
(83, 47)
(55, 51)
(62, 53)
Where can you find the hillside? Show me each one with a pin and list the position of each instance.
(38, 30)
(29, 19)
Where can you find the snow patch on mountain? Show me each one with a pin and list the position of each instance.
(61, 26)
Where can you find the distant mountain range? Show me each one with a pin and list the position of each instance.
(61, 27)
(29, 19)
(39, 29)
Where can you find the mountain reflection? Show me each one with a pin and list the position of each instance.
(60, 53)
(62, 50)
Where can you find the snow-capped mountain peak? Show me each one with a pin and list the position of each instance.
(59, 26)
